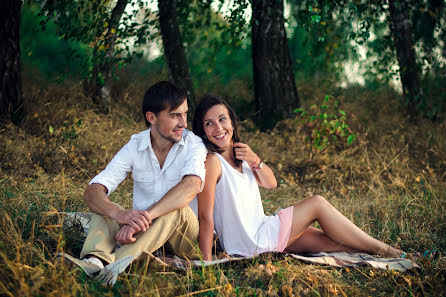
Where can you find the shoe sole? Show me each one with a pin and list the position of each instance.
(89, 268)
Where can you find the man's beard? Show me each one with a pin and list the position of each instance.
(168, 137)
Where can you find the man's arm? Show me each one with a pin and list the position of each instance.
(193, 173)
(96, 198)
(192, 183)
(178, 197)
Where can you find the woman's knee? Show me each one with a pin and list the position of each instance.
(311, 206)
(318, 200)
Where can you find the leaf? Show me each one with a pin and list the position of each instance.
(299, 110)
(315, 18)
(51, 129)
(350, 139)
(326, 98)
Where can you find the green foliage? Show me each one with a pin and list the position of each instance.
(325, 126)
(369, 24)
(69, 130)
(239, 28)
(225, 64)
(87, 22)
(45, 51)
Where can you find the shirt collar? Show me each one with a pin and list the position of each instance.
(146, 140)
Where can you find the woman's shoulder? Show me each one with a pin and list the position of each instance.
(212, 157)
(212, 160)
(213, 166)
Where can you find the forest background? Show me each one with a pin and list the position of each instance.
(373, 142)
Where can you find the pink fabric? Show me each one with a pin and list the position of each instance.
(286, 220)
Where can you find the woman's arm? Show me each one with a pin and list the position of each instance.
(264, 175)
(206, 206)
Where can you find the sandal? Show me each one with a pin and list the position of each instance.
(432, 254)
(411, 256)
(428, 254)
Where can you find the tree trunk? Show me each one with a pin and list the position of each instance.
(402, 35)
(275, 89)
(99, 85)
(177, 67)
(11, 100)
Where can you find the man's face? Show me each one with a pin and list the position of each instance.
(169, 125)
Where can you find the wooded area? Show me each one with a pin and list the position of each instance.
(344, 99)
(275, 92)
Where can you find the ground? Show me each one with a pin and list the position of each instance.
(390, 182)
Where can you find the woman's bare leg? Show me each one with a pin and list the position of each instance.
(335, 226)
(314, 240)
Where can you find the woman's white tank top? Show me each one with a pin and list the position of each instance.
(239, 220)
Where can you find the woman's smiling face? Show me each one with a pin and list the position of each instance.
(217, 126)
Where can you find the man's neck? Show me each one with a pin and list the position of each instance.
(161, 147)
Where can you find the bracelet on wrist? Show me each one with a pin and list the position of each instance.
(258, 167)
(253, 164)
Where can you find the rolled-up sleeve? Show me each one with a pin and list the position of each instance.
(196, 156)
(116, 170)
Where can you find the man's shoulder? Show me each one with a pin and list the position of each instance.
(190, 137)
(139, 136)
(138, 139)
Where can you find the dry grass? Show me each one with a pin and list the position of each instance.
(391, 183)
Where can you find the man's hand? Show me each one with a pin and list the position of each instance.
(139, 220)
(125, 234)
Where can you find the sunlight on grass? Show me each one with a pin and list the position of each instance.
(391, 182)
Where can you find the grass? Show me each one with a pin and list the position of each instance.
(391, 183)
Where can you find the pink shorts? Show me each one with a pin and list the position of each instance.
(286, 220)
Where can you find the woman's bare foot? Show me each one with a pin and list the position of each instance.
(393, 253)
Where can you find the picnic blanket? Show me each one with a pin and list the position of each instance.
(337, 259)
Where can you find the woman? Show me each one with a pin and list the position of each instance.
(233, 174)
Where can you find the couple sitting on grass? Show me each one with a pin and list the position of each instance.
(171, 165)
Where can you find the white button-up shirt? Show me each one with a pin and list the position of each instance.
(150, 182)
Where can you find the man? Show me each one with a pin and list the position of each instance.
(167, 165)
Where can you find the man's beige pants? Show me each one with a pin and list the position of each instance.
(179, 229)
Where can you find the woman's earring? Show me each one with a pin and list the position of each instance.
(205, 137)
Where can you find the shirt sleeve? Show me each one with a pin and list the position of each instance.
(116, 170)
(196, 156)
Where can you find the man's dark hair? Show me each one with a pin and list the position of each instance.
(206, 103)
(160, 96)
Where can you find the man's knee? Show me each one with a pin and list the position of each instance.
(188, 216)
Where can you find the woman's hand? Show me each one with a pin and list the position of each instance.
(244, 152)
(264, 175)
